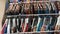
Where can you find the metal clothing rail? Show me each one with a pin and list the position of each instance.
(36, 32)
(31, 2)
(30, 15)
(37, 14)
(42, 31)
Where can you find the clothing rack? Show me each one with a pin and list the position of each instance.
(14, 17)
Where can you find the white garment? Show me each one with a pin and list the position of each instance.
(26, 21)
(14, 22)
(39, 19)
(58, 20)
(8, 27)
(33, 22)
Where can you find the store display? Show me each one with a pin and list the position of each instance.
(29, 16)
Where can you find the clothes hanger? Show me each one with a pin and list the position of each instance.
(35, 8)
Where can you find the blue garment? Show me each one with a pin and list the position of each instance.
(5, 30)
(11, 1)
(39, 25)
(7, 5)
(55, 10)
(41, 12)
(47, 12)
(19, 0)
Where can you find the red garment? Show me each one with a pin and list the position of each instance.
(26, 29)
(2, 32)
(22, 26)
(26, 25)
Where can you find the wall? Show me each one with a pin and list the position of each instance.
(2, 9)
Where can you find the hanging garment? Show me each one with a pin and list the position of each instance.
(32, 8)
(47, 22)
(16, 12)
(35, 9)
(4, 28)
(9, 10)
(26, 9)
(40, 11)
(35, 23)
(56, 4)
(48, 6)
(22, 10)
(54, 8)
(11, 24)
(39, 24)
(51, 8)
(26, 25)
(15, 9)
(32, 24)
(46, 11)
(19, 0)
(8, 27)
(57, 26)
(58, 20)
(43, 28)
(54, 19)
(7, 5)
(14, 26)
(22, 24)
(17, 24)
